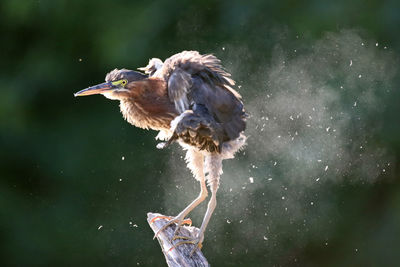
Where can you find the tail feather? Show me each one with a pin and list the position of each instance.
(199, 131)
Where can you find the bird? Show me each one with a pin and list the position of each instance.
(189, 99)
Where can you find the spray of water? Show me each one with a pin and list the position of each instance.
(312, 123)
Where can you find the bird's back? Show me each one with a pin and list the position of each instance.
(209, 87)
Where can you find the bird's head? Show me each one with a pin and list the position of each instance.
(118, 85)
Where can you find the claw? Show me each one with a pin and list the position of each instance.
(187, 221)
(195, 241)
(159, 218)
(180, 237)
(179, 222)
(198, 246)
(164, 227)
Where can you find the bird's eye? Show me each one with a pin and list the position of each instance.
(124, 82)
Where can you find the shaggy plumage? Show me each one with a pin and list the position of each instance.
(190, 99)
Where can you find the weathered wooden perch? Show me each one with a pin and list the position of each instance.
(180, 255)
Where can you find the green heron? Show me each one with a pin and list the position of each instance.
(189, 99)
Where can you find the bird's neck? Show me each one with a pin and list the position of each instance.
(149, 106)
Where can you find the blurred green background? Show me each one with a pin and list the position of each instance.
(77, 180)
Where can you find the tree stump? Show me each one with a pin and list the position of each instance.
(180, 255)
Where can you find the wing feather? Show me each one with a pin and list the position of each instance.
(200, 80)
(179, 84)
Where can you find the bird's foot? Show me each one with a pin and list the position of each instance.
(163, 145)
(178, 220)
(196, 241)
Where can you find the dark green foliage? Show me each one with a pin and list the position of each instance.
(76, 180)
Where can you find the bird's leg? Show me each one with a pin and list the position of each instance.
(214, 166)
(180, 218)
(198, 241)
(195, 162)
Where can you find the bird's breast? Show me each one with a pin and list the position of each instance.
(149, 106)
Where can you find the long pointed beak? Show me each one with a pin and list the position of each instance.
(97, 89)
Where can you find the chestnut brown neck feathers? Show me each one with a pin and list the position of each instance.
(148, 106)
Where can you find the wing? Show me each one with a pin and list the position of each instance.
(154, 65)
(199, 82)
(179, 85)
